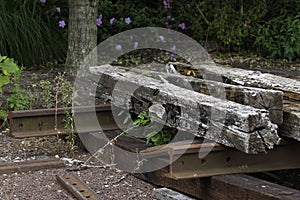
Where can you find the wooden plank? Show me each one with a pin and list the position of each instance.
(270, 100)
(224, 187)
(291, 126)
(247, 187)
(243, 127)
(289, 87)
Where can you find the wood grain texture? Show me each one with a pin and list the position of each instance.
(243, 127)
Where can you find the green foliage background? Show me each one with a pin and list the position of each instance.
(29, 30)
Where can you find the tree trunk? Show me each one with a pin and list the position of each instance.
(82, 36)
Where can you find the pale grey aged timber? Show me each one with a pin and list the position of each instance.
(253, 79)
(243, 127)
(168, 194)
(291, 126)
(290, 88)
(270, 100)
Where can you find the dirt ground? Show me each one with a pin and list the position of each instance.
(107, 182)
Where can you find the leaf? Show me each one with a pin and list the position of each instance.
(156, 137)
(3, 81)
(153, 133)
(141, 115)
(137, 122)
(121, 113)
(150, 136)
(9, 66)
(126, 119)
(2, 58)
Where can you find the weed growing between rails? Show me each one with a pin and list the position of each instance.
(10, 72)
(47, 96)
(63, 97)
(4, 119)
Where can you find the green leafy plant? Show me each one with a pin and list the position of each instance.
(158, 138)
(66, 94)
(143, 119)
(3, 118)
(280, 37)
(63, 97)
(46, 94)
(18, 100)
(7, 69)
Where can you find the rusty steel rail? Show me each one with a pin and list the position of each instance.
(32, 165)
(76, 187)
(183, 161)
(43, 122)
(222, 160)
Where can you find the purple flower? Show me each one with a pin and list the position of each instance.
(43, 1)
(111, 21)
(58, 9)
(169, 17)
(62, 23)
(127, 20)
(135, 45)
(173, 48)
(161, 38)
(182, 26)
(99, 20)
(166, 3)
(118, 47)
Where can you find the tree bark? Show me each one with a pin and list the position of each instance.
(82, 35)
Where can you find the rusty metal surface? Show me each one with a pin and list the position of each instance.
(76, 187)
(42, 122)
(222, 160)
(30, 165)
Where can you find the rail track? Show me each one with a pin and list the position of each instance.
(43, 122)
(32, 165)
(212, 177)
(76, 187)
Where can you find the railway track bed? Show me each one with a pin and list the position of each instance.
(208, 184)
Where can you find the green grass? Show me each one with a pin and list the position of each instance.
(27, 36)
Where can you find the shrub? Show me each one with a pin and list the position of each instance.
(279, 33)
(268, 27)
(8, 68)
